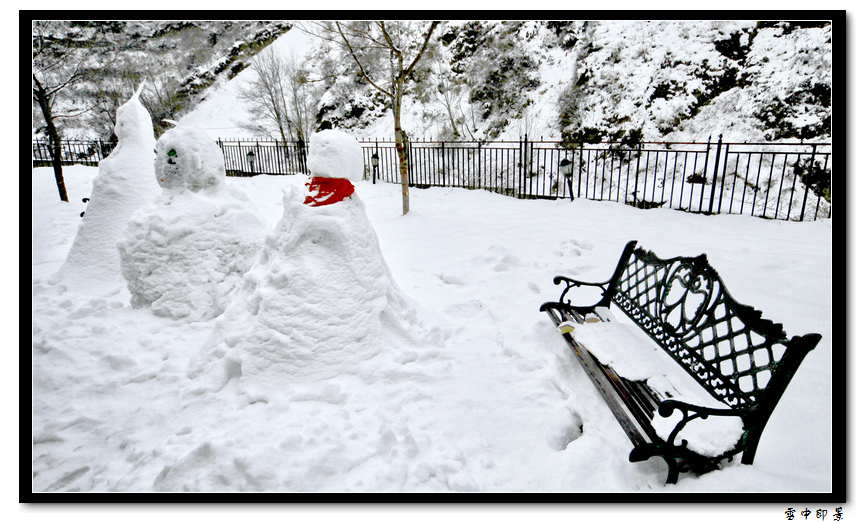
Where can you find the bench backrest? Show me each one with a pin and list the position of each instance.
(737, 356)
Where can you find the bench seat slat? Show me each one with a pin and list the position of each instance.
(601, 380)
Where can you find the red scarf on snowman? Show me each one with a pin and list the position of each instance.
(325, 191)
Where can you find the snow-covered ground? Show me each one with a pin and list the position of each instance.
(494, 405)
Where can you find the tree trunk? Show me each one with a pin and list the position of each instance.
(54, 137)
(58, 166)
(400, 148)
(399, 77)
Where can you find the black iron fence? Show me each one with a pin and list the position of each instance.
(251, 157)
(84, 152)
(789, 181)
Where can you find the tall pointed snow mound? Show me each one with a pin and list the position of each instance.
(124, 184)
(319, 302)
(186, 253)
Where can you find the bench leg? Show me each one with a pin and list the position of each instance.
(644, 452)
(751, 439)
(672, 470)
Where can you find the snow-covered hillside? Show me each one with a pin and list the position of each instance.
(220, 113)
(684, 81)
(91, 67)
(582, 80)
(612, 80)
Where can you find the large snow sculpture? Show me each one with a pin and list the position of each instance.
(185, 255)
(320, 299)
(125, 183)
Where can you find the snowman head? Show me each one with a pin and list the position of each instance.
(188, 158)
(133, 120)
(335, 154)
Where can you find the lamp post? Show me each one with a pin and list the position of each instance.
(374, 160)
(567, 168)
(250, 157)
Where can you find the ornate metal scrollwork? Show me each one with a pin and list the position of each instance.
(685, 298)
(683, 304)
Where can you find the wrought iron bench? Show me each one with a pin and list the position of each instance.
(740, 359)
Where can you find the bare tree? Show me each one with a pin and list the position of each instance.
(385, 55)
(161, 98)
(303, 97)
(266, 96)
(112, 88)
(451, 92)
(69, 58)
(55, 68)
(278, 97)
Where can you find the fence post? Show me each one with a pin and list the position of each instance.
(724, 179)
(478, 173)
(529, 151)
(375, 161)
(524, 166)
(810, 169)
(705, 172)
(526, 180)
(301, 151)
(445, 171)
(260, 159)
(580, 174)
(714, 177)
(518, 173)
(636, 174)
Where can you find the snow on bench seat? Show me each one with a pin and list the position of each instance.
(636, 359)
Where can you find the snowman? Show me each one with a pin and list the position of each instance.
(125, 183)
(184, 256)
(320, 300)
(335, 160)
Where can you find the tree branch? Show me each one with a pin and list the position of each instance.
(423, 48)
(362, 70)
(387, 39)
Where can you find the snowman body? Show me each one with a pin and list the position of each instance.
(185, 255)
(320, 300)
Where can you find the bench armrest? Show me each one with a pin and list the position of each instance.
(576, 283)
(666, 408)
(571, 283)
(608, 287)
(691, 412)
